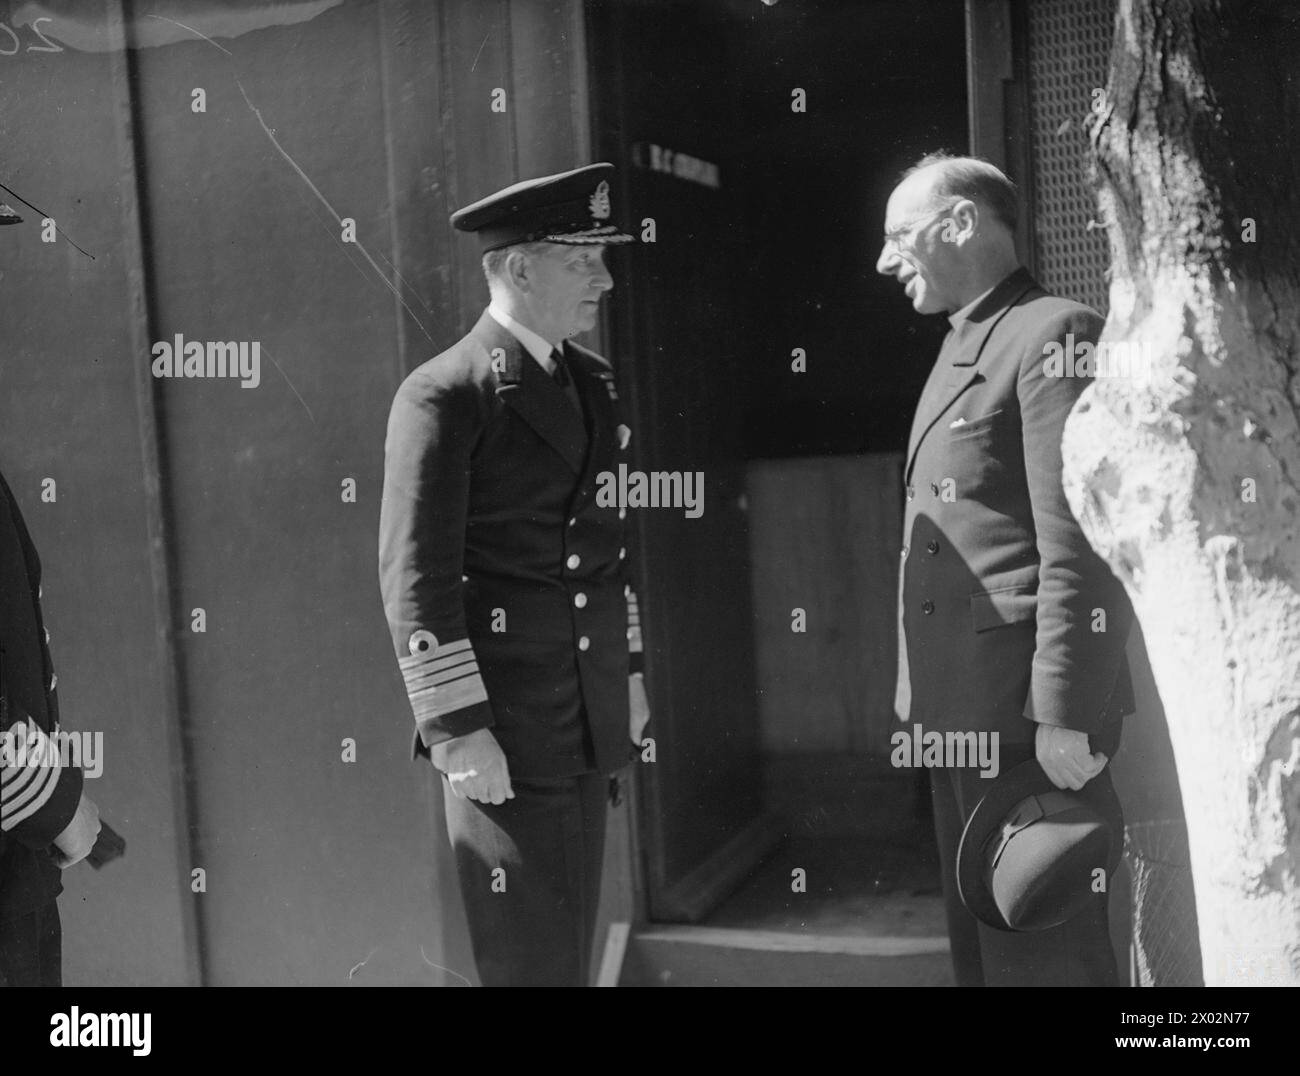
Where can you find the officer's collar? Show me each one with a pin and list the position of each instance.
(537, 346)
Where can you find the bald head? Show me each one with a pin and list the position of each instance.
(949, 232)
(984, 184)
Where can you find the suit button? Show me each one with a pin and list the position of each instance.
(573, 522)
(622, 554)
(927, 607)
(584, 643)
(903, 552)
(934, 488)
(932, 546)
(910, 493)
(580, 600)
(573, 562)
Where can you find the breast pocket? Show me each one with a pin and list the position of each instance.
(975, 428)
(975, 454)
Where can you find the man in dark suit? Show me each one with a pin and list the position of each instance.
(47, 823)
(1010, 625)
(506, 586)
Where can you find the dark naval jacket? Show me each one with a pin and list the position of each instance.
(38, 795)
(505, 586)
(1007, 616)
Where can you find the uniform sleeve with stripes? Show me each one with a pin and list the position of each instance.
(431, 432)
(38, 792)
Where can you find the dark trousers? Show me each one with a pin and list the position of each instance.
(31, 948)
(1077, 953)
(529, 873)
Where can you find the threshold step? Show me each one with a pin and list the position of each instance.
(718, 956)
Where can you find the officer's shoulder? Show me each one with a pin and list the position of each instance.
(590, 360)
(466, 365)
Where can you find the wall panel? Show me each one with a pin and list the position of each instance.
(824, 537)
(317, 870)
(71, 410)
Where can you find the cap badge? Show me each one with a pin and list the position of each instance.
(599, 203)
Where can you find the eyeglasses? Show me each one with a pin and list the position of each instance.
(893, 238)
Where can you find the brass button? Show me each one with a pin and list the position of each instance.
(573, 561)
(584, 643)
(580, 600)
(622, 554)
(903, 552)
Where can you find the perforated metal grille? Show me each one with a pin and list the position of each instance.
(1069, 50)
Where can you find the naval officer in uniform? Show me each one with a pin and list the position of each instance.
(507, 589)
(47, 822)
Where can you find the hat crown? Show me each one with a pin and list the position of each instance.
(569, 207)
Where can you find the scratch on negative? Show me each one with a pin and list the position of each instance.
(163, 18)
(303, 175)
(402, 280)
(357, 967)
(441, 968)
(333, 212)
(480, 52)
(305, 408)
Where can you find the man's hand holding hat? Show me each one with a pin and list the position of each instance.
(1066, 757)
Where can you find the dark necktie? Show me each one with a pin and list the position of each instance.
(565, 380)
(561, 371)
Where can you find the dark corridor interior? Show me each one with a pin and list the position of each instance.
(793, 221)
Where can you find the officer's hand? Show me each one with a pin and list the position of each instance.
(475, 767)
(1066, 758)
(78, 837)
(638, 707)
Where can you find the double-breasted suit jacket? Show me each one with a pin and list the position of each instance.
(38, 794)
(1007, 616)
(507, 589)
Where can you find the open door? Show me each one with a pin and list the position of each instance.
(699, 803)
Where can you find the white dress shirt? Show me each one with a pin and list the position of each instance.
(537, 347)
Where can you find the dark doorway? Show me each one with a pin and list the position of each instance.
(767, 211)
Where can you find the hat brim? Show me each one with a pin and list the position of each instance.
(1021, 782)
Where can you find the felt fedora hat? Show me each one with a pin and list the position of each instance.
(1030, 852)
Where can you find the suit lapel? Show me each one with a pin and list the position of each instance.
(523, 386)
(957, 367)
(596, 401)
